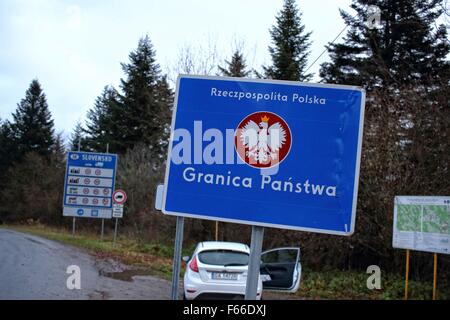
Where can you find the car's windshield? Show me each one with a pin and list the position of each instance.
(223, 257)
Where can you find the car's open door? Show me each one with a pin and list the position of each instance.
(281, 269)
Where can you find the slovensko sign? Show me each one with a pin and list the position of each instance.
(89, 184)
(422, 223)
(264, 152)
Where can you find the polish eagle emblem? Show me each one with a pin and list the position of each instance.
(263, 139)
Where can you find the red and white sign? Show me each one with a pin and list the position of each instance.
(263, 139)
(119, 196)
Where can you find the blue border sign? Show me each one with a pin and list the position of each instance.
(265, 152)
(89, 184)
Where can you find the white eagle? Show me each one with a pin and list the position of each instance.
(263, 142)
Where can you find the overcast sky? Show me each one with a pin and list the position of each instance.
(75, 48)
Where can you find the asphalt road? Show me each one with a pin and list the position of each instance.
(35, 268)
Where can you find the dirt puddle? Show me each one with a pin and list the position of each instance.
(126, 275)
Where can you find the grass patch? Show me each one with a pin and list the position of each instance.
(352, 285)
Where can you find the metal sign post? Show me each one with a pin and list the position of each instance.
(217, 231)
(254, 263)
(103, 220)
(74, 219)
(103, 228)
(176, 264)
(119, 198)
(73, 227)
(177, 257)
(115, 232)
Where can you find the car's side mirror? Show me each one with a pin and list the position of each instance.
(186, 259)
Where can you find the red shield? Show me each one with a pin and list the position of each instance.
(263, 139)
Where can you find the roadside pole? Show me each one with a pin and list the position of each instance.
(119, 198)
(254, 263)
(434, 276)
(115, 233)
(75, 219)
(103, 228)
(177, 257)
(406, 274)
(73, 227)
(217, 231)
(103, 220)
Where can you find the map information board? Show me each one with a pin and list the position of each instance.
(422, 223)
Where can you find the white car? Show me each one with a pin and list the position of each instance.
(218, 270)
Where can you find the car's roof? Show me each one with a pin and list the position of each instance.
(214, 245)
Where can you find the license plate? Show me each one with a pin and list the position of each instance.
(224, 276)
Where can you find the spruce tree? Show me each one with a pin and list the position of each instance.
(236, 67)
(58, 150)
(32, 123)
(405, 49)
(291, 45)
(101, 128)
(77, 139)
(8, 152)
(146, 103)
